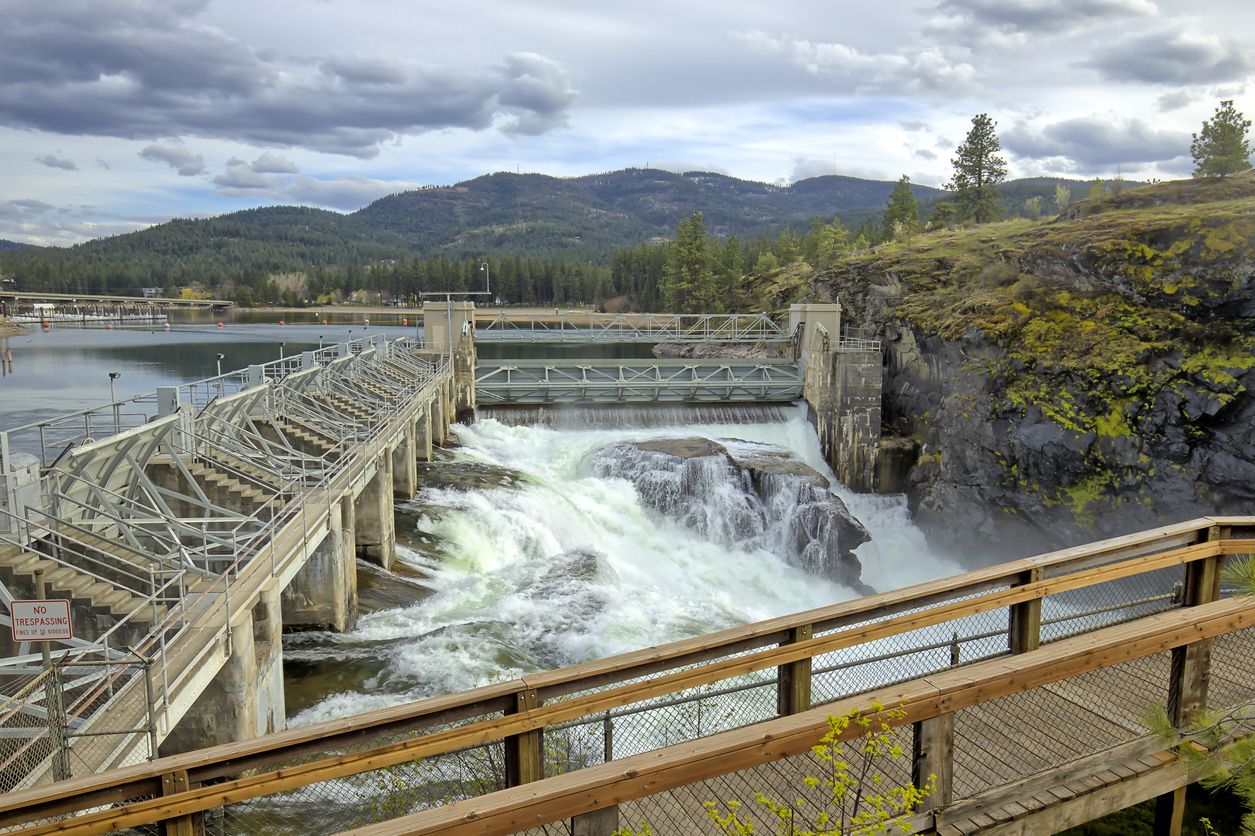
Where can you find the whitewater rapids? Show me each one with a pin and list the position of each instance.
(552, 565)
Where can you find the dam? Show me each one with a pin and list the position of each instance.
(526, 716)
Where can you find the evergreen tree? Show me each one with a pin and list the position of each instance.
(1223, 147)
(977, 172)
(689, 280)
(831, 241)
(902, 207)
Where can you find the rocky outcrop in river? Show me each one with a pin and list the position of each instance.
(751, 495)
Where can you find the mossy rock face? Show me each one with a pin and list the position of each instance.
(1075, 379)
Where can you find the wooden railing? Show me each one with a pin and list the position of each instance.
(1106, 603)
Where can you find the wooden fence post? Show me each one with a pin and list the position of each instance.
(192, 824)
(603, 822)
(932, 753)
(1025, 619)
(1189, 674)
(524, 753)
(793, 681)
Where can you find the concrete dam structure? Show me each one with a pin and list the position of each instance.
(188, 530)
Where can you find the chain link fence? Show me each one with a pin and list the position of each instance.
(71, 718)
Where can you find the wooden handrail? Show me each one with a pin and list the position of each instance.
(1120, 557)
(637, 776)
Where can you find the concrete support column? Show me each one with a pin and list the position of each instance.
(439, 416)
(245, 698)
(375, 531)
(422, 434)
(405, 465)
(323, 595)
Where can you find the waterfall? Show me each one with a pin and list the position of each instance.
(538, 560)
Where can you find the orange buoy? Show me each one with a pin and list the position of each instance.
(324, 322)
(219, 324)
(368, 322)
(109, 326)
(167, 326)
(404, 321)
(46, 326)
(281, 322)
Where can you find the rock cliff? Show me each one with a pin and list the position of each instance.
(1075, 379)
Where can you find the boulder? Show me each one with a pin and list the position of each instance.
(740, 493)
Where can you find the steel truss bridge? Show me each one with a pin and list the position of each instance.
(632, 328)
(722, 380)
(626, 381)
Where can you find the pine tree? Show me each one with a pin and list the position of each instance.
(977, 172)
(1222, 148)
(688, 282)
(902, 207)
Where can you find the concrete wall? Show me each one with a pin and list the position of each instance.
(843, 392)
(245, 699)
(375, 527)
(323, 595)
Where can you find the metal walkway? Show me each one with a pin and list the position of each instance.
(522, 382)
(632, 328)
(162, 519)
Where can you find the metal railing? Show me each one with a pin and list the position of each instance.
(633, 328)
(105, 519)
(948, 645)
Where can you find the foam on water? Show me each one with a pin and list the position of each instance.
(569, 567)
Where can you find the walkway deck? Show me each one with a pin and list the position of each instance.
(1020, 741)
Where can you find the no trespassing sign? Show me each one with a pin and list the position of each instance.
(35, 621)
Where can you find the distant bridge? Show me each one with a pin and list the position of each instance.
(15, 302)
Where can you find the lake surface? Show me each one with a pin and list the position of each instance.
(65, 369)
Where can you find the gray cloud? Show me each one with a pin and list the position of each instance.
(177, 157)
(1174, 56)
(1091, 143)
(275, 178)
(141, 69)
(269, 163)
(915, 69)
(103, 164)
(1174, 101)
(924, 154)
(916, 126)
(240, 177)
(33, 205)
(1044, 16)
(57, 162)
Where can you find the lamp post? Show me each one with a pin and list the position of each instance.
(320, 342)
(220, 356)
(117, 420)
(281, 345)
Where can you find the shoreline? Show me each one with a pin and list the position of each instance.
(8, 329)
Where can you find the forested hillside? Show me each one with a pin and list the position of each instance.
(544, 239)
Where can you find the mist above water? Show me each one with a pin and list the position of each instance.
(550, 565)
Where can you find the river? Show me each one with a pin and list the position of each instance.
(541, 563)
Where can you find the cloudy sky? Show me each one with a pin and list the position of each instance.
(117, 114)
